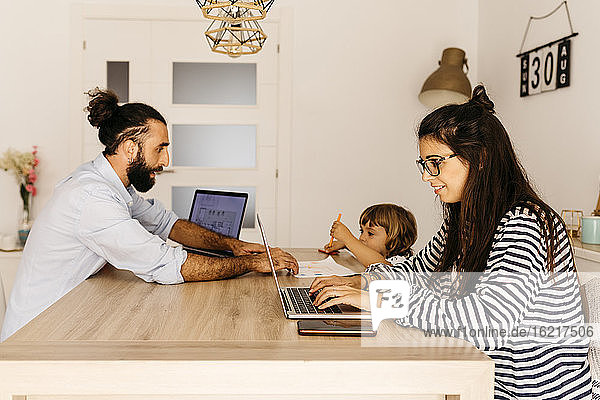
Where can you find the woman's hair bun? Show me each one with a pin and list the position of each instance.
(102, 106)
(481, 98)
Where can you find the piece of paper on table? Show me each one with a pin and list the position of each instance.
(328, 266)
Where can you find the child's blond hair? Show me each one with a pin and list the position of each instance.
(399, 224)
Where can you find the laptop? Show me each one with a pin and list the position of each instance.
(218, 211)
(296, 301)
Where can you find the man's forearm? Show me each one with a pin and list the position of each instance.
(192, 235)
(201, 268)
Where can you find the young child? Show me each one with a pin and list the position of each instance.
(509, 250)
(387, 232)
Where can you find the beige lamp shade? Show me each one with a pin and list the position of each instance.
(449, 83)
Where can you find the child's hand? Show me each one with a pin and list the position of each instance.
(335, 246)
(340, 232)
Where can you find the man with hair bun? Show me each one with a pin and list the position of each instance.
(95, 216)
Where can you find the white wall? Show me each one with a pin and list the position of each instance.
(33, 103)
(34, 93)
(357, 71)
(556, 133)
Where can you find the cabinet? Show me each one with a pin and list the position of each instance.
(587, 260)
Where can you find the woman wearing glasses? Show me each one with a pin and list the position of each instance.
(500, 271)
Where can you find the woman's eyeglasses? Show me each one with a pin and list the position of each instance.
(432, 165)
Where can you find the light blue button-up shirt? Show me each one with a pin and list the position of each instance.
(90, 220)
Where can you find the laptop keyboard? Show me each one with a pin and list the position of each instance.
(302, 303)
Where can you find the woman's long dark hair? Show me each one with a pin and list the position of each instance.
(496, 183)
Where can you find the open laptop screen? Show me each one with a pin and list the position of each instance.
(218, 211)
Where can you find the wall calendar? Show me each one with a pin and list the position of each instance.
(546, 67)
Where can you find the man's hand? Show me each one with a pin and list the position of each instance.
(202, 268)
(240, 248)
(281, 260)
(326, 281)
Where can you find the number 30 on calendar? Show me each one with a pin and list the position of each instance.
(545, 69)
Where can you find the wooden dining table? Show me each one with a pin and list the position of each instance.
(117, 337)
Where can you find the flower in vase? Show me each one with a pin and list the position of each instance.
(32, 177)
(22, 165)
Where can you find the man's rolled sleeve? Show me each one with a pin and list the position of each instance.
(107, 229)
(169, 272)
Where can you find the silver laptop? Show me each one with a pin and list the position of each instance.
(218, 211)
(297, 303)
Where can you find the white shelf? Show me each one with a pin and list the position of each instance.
(586, 254)
(590, 252)
(10, 254)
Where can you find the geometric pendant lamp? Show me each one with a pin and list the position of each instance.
(235, 11)
(235, 39)
(235, 30)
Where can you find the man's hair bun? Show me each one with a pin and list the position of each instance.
(117, 123)
(481, 98)
(102, 106)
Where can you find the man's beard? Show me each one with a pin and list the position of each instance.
(139, 172)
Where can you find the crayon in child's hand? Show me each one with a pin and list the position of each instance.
(338, 220)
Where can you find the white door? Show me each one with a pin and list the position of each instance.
(222, 113)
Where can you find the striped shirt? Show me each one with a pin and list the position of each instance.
(528, 320)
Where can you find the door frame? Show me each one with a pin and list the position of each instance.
(77, 99)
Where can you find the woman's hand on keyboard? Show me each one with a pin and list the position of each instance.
(334, 295)
(320, 283)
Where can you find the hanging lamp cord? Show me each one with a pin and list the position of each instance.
(564, 3)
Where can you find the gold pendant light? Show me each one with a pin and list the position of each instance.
(235, 39)
(235, 30)
(449, 83)
(233, 11)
